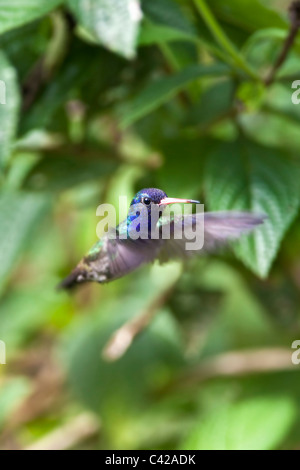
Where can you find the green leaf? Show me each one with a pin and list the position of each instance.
(113, 23)
(215, 103)
(23, 46)
(16, 13)
(276, 35)
(278, 99)
(168, 13)
(166, 21)
(282, 131)
(152, 33)
(248, 14)
(9, 108)
(19, 213)
(264, 47)
(256, 424)
(162, 90)
(243, 176)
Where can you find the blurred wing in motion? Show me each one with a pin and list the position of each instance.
(219, 229)
(111, 258)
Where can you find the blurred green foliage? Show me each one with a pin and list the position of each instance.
(103, 101)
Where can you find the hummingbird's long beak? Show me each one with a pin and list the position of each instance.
(174, 200)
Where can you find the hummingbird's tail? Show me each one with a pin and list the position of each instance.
(77, 276)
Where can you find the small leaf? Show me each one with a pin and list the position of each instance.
(9, 108)
(16, 13)
(113, 23)
(278, 99)
(248, 14)
(169, 14)
(215, 103)
(276, 35)
(162, 90)
(282, 131)
(152, 33)
(243, 176)
(256, 424)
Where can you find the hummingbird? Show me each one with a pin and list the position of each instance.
(118, 253)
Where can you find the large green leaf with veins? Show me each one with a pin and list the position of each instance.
(243, 176)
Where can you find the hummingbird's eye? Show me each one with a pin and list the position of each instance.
(147, 201)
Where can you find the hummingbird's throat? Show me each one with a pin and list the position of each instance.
(144, 219)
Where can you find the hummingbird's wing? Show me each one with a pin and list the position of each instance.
(123, 256)
(112, 257)
(219, 228)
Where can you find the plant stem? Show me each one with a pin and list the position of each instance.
(121, 340)
(223, 40)
(289, 42)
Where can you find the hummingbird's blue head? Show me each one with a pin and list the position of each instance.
(149, 199)
(148, 196)
(154, 200)
(151, 196)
